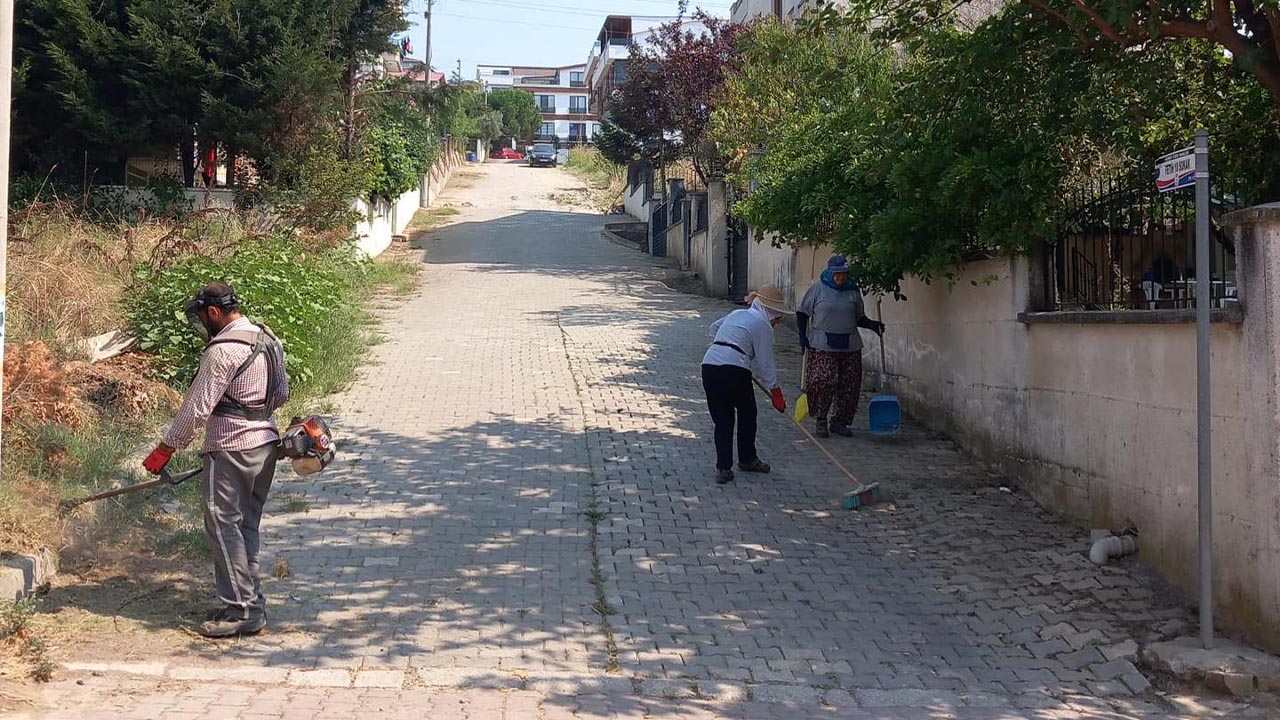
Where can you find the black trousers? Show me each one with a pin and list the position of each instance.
(730, 394)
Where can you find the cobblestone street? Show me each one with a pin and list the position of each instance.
(524, 524)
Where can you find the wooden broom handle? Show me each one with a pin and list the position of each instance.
(814, 440)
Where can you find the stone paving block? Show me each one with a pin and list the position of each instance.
(1113, 669)
(320, 678)
(667, 688)
(786, 694)
(379, 679)
(933, 699)
(1081, 658)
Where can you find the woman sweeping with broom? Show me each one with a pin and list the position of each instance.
(828, 318)
(741, 338)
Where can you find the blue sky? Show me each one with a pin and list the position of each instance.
(516, 32)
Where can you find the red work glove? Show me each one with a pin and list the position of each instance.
(158, 458)
(779, 402)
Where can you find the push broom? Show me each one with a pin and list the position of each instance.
(861, 495)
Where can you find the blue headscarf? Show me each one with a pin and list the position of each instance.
(836, 264)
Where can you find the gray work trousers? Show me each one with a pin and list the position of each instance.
(236, 483)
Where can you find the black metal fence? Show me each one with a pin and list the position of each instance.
(1123, 245)
(659, 217)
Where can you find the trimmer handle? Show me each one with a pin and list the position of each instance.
(175, 480)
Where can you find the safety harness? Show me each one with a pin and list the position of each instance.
(265, 344)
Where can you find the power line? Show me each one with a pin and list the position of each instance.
(558, 9)
(519, 22)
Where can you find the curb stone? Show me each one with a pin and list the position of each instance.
(21, 574)
(1228, 667)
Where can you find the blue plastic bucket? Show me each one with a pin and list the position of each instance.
(471, 157)
(884, 415)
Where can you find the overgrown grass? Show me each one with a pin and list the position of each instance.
(606, 180)
(20, 644)
(427, 218)
(349, 333)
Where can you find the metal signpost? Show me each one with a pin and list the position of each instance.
(1173, 171)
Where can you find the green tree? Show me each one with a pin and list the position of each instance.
(463, 112)
(912, 153)
(672, 84)
(616, 144)
(520, 114)
(362, 38)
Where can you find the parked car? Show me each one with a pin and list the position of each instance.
(505, 154)
(543, 155)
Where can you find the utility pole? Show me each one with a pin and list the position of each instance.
(1204, 444)
(430, 7)
(6, 96)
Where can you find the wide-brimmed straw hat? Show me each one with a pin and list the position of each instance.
(771, 297)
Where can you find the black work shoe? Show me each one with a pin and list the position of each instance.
(229, 624)
(223, 610)
(842, 430)
(755, 466)
(820, 429)
(724, 476)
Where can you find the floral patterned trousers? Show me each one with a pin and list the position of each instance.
(833, 378)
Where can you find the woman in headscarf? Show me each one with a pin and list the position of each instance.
(741, 338)
(828, 318)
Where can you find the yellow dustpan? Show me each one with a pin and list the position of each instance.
(801, 412)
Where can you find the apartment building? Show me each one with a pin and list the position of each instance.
(561, 93)
(607, 62)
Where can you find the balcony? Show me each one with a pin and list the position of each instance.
(540, 80)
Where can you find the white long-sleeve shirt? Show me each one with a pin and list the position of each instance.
(750, 331)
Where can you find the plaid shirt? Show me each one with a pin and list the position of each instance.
(213, 382)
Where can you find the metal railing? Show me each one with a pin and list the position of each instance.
(1123, 245)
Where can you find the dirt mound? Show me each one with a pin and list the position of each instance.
(42, 389)
(37, 390)
(121, 385)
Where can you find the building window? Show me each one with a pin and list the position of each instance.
(546, 103)
(619, 72)
(577, 79)
(595, 129)
(548, 130)
(577, 131)
(578, 104)
(501, 72)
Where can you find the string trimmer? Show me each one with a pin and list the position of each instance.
(166, 478)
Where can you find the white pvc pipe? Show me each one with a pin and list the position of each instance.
(1112, 547)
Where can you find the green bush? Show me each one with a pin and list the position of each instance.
(394, 168)
(290, 289)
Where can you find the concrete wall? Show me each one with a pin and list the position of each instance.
(403, 210)
(374, 230)
(635, 202)
(1099, 421)
(197, 198)
(675, 246)
(791, 269)
(716, 249)
(769, 265)
(700, 256)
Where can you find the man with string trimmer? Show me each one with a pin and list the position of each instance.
(240, 384)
